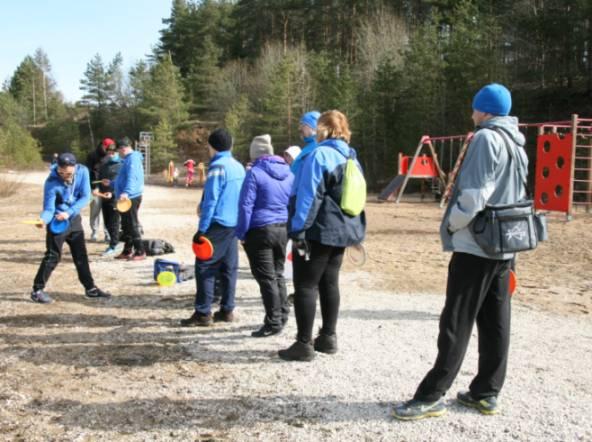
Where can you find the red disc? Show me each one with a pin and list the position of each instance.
(513, 282)
(203, 250)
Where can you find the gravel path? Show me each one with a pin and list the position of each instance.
(123, 370)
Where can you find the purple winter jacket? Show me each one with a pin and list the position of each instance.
(264, 195)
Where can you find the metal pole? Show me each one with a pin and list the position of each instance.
(574, 134)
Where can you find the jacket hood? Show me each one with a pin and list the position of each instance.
(274, 166)
(339, 145)
(509, 125)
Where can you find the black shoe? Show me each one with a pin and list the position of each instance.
(486, 405)
(266, 330)
(96, 292)
(224, 316)
(291, 299)
(197, 320)
(326, 343)
(298, 351)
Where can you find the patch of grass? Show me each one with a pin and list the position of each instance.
(8, 186)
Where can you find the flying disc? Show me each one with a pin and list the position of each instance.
(166, 279)
(57, 226)
(203, 250)
(513, 282)
(124, 205)
(356, 254)
(32, 222)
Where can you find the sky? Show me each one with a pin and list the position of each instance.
(71, 32)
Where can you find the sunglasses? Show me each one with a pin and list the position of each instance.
(64, 162)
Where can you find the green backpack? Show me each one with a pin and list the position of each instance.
(353, 196)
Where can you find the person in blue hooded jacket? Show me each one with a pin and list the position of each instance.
(218, 212)
(308, 133)
(321, 231)
(263, 213)
(129, 185)
(65, 194)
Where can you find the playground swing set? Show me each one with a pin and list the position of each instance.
(563, 171)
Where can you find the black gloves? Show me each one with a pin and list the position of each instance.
(197, 237)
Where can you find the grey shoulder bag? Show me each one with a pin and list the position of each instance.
(509, 228)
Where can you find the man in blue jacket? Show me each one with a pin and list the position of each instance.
(65, 194)
(263, 213)
(129, 185)
(308, 133)
(218, 219)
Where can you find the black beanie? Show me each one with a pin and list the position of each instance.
(220, 140)
(123, 142)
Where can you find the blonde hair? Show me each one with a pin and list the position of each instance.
(333, 124)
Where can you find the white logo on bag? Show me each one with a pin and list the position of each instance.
(516, 232)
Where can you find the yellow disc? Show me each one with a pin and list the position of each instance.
(166, 279)
(124, 205)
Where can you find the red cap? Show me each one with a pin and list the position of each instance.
(107, 142)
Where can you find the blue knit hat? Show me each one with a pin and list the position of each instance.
(493, 99)
(310, 119)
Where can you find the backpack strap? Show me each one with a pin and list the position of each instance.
(512, 158)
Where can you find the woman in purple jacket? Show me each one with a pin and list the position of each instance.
(263, 213)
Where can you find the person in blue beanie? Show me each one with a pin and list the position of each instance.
(65, 194)
(321, 231)
(218, 219)
(478, 283)
(263, 213)
(308, 133)
(129, 185)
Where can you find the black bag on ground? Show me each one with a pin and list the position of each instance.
(156, 247)
(509, 228)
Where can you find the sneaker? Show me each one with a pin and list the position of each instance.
(224, 316)
(486, 405)
(197, 320)
(107, 239)
(414, 410)
(291, 299)
(109, 252)
(266, 330)
(96, 292)
(41, 297)
(124, 255)
(138, 257)
(326, 343)
(298, 351)
(93, 237)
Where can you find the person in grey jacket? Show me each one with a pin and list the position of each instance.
(478, 283)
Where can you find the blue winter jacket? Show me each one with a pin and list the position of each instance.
(58, 196)
(219, 203)
(265, 194)
(315, 212)
(130, 179)
(311, 144)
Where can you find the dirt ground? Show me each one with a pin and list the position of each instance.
(63, 366)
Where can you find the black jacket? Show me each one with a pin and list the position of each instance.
(108, 169)
(93, 163)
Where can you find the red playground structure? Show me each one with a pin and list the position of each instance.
(563, 165)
